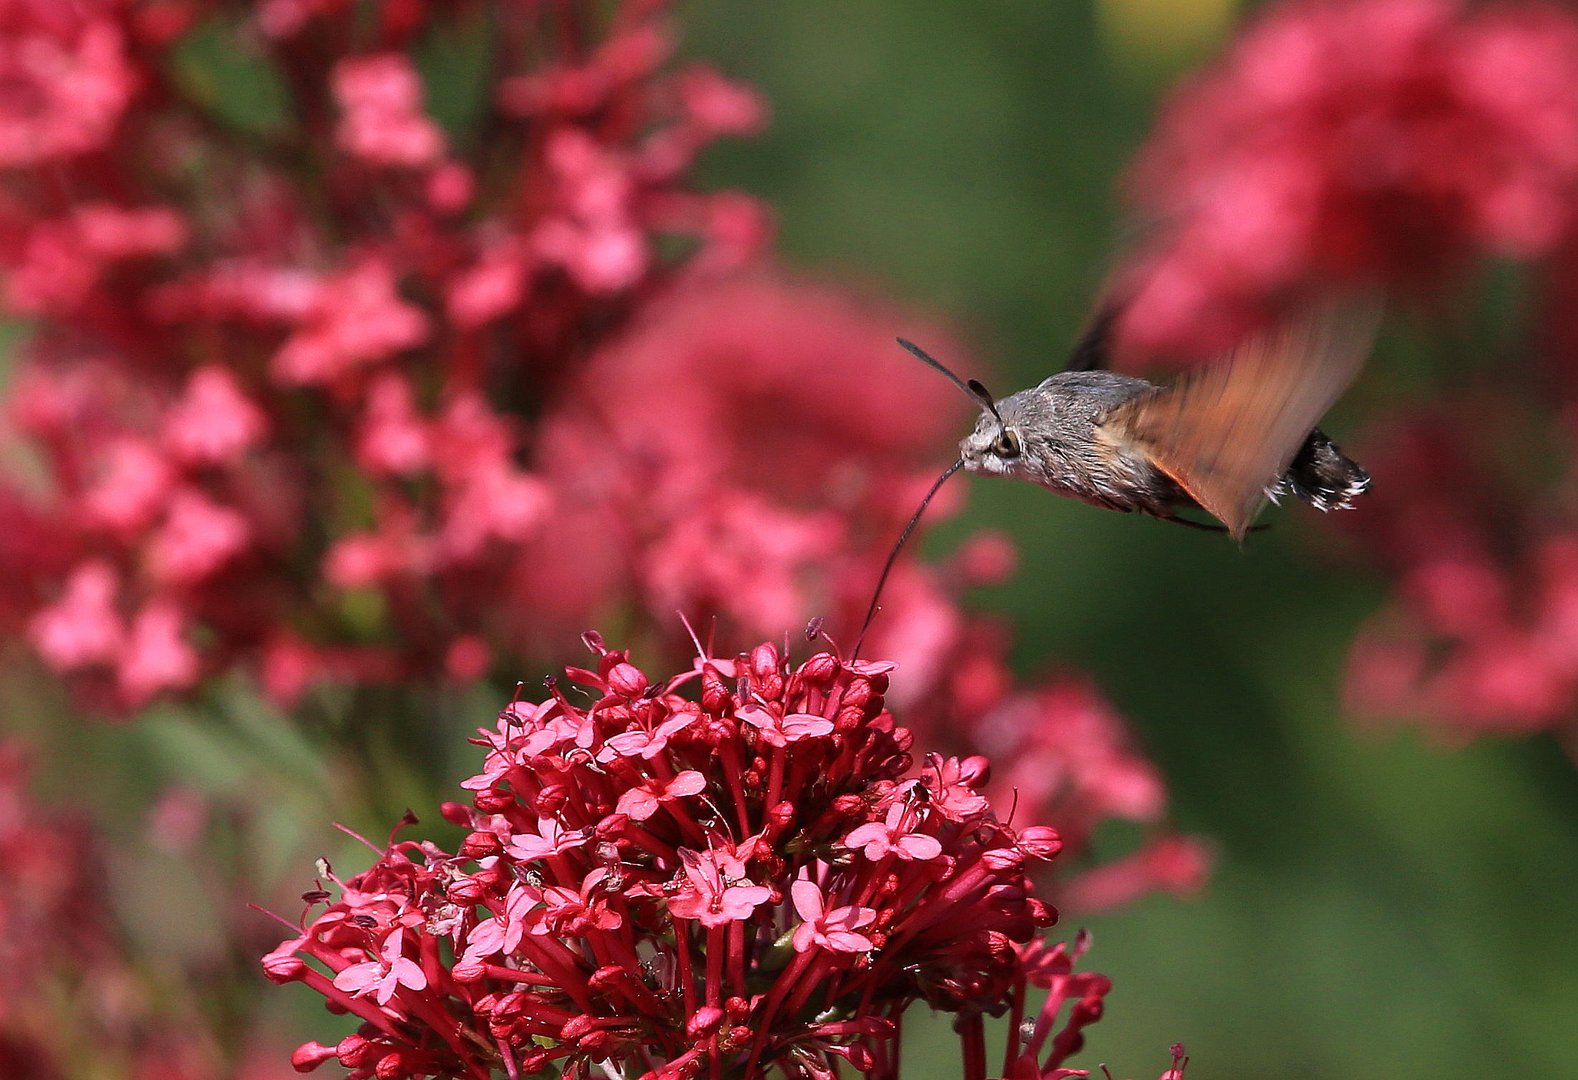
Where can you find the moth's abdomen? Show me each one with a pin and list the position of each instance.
(1323, 476)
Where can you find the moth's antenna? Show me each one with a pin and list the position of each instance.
(887, 567)
(971, 387)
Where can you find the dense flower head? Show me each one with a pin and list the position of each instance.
(739, 868)
(1300, 160)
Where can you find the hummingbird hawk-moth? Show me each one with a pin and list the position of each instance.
(1224, 437)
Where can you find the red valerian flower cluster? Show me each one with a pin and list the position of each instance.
(747, 448)
(1482, 633)
(744, 879)
(270, 402)
(60, 942)
(1300, 160)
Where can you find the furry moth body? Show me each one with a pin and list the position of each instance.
(1223, 438)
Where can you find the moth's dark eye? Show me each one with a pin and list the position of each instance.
(1007, 444)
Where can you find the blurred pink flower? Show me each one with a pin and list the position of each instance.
(354, 319)
(769, 481)
(1481, 635)
(382, 121)
(254, 387)
(68, 79)
(157, 657)
(213, 422)
(81, 627)
(1299, 161)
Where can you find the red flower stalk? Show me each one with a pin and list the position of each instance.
(1299, 161)
(741, 880)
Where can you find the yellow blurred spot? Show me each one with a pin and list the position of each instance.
(1150, 40)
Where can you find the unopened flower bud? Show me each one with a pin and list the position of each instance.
(309, 1055)
(820, 670)
(627, 680)
(705, 1020)
(480, 844)
(492, 800)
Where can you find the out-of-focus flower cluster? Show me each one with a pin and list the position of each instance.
(72, 1002)
(1354, 142)
(741, 880)
(1302, 162)
(273, 391)
(1482, 634)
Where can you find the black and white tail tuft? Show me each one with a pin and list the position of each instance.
(1322, 475)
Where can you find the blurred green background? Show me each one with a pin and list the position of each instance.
(1383, 905)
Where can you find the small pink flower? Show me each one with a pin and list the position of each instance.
(502, 933)
(648, 744)
(196, 540)
(893, 837)
(384, 976)
(833, 929)
(359, 560)
(82, 627)
(551, 838)
(395, 439)
(709, 896)
(356, 318)
(953, 786)
(780, 730)
(133, 488)
(157, 656)
(569, 911)
(490, 288)
(719, 106)
(642, 802)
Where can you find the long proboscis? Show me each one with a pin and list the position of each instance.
(971, 387)
(893, 556)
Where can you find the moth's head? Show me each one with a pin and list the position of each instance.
(994, 447)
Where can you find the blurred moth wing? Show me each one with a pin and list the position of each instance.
(1228, 430)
